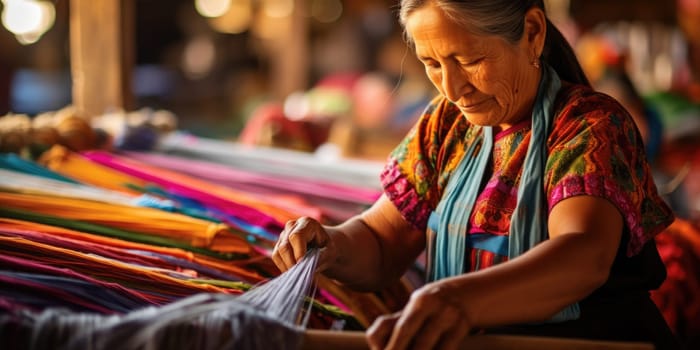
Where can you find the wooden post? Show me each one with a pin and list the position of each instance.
(102, 55)
(290, 53)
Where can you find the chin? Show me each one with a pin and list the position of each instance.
(481, 119)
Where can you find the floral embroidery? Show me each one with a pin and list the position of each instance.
(594, 149)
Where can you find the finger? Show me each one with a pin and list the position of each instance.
(406, 328)
(276, 255)
(279, 262)
(453, 339)
(429, 334)
(283, 234)
(299, 237)
(286, 254)
(284, 249)
(290, 224)
(438, 326)
(379, 332)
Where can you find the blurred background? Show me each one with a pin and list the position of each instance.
(210, 61)
(335, 76)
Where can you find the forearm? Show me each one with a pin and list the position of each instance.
(358, 260)
(374, 248)
(534, 286)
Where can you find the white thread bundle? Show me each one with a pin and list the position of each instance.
(262, 318)
(283, 297)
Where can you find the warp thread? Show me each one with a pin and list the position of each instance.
(268, 316)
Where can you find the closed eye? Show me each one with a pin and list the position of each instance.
(431, 64)
(470, 63)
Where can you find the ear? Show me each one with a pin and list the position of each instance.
(535, 31)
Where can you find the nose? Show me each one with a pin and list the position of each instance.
(455, 83)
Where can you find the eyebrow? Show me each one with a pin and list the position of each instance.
(425, 57)
(450, 56)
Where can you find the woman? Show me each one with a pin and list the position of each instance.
(529, 191)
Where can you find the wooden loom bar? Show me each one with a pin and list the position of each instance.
(319, 339)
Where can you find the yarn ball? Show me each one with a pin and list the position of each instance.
(76, 134)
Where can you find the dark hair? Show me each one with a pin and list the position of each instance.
(506, 18)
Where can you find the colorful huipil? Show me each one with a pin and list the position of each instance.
(594, 148)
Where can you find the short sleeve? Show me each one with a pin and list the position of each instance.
(595, 149)
(416, 169)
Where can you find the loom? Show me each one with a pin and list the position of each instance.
(291, 335)
(261, 318)
(264, 317)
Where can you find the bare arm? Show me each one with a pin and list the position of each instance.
(365, 252)
(585, 233)
(374, 248)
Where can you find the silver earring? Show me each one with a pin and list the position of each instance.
(536, 63)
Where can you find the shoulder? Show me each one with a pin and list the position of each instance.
(580, 109)
(596, 149)
(582, 101)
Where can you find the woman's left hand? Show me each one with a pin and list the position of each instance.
(430, 320)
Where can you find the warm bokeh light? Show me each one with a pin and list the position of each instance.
(326, 11)
(21, 16)
(212, 8)
(28, 38)
(273, 19)
(236, 20)
(278, 8)
(663, 72)
(296, 106)
(28, 19)
(199, 57)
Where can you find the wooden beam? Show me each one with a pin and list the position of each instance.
(102, 55)
(320, 339)
(290, 53)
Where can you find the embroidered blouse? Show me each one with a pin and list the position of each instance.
(594, 148)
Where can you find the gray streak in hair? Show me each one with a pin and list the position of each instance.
(504, 18)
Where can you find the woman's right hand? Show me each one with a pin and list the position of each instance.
(296, 237)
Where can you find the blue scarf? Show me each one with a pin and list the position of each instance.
(528, 225)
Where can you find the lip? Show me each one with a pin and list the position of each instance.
(473, 107)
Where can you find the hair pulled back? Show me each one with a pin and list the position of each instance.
(506, 18)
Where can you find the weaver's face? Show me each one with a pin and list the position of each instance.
(491, 80)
